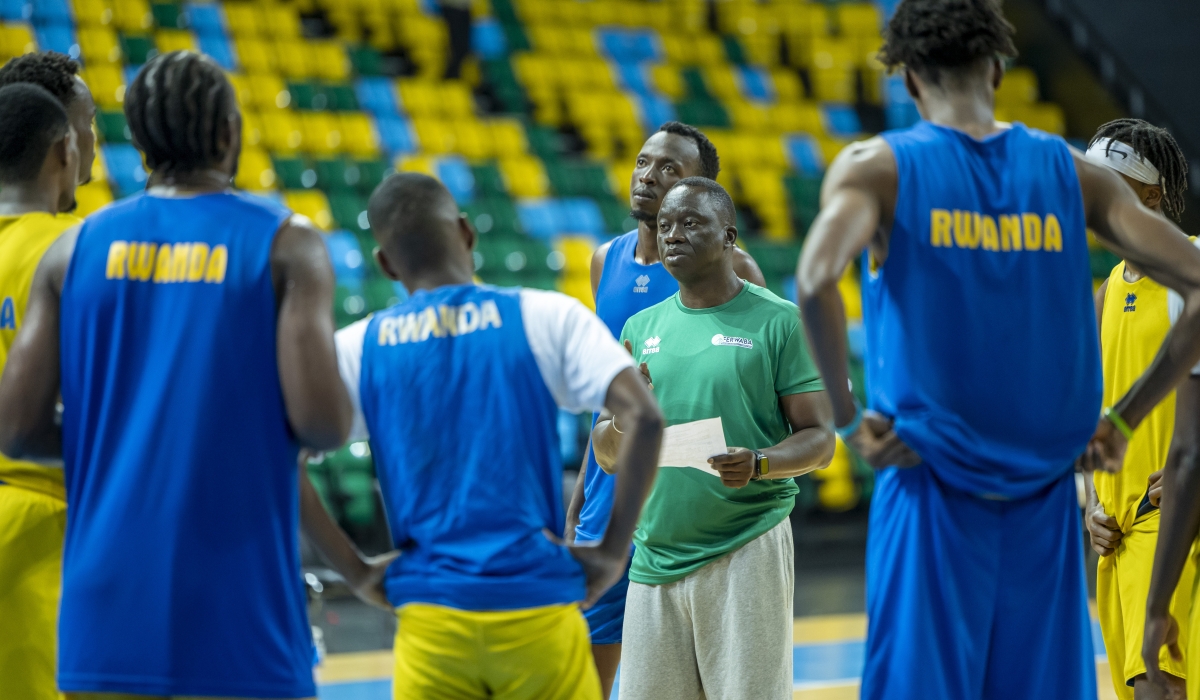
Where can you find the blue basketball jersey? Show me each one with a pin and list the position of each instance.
(181, 570)
(981, 331)
(626, 287)
(464, 434)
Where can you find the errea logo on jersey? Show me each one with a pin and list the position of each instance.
(641, 284)
(719, 339)
(1130, 303)
(651, 345)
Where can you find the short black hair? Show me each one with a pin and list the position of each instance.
(723, 202)
(176, 108)
(31, 120)
(930, 36)
(1156, 145)
(710, 162)
(53, 72)
(406, 212)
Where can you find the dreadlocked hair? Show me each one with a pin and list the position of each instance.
(929, 36)
(176, 109)
(1156, 145)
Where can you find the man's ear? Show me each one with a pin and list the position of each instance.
(997, 73)
(731, 235)
(911, 84)
(467, 232)
(385, 265)
(1152, 196)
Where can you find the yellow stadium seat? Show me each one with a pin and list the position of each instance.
(91, 197)
(508, 137)
(770, 151)
(417, 164)
(99, 45)
(589, 73)
(1019, 87)
(831, 147)
(132, 15)
(435, 135)
(858, 19)
(295, 59)
(577, 254)
(92, 13)
(310, 203)
(806, 19)
(322, 133)
(241, 89)
(534, 70)
(619, 177)
(474, 139)
(747, 115)
(419, 98)
(106, 83)
(281, 131)
(834, 84)
(328, 59)
(762, 49)
(708, 50)
(99, 172)
(525, 176)
(668, 81)
(243, 19)
(787, 85)
(254, 55)
(721, 82)
(255, 171)
(455, 98)
(679, 49)
(174, 40)
(358, 135)
(16, 40)
(1045, 116)
(268, 91)
(252, 129)
(579, 287)
(280, 21)
(800, 117)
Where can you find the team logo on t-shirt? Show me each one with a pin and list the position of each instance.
(1131, 302)
(719, 339)
(651, 345)
(641, 284)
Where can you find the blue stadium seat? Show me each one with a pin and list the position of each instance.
(377, 96)
(487, 39)
(15, 10)
(396, 135)
(539, 217)
(457, 176)
(841, 120)
(633, 77)
(804, 154)
(900, 116)
(130, 72)
(206, 18)
(347, 259)
(218, 47)
(756, 83)
(51, 12)
(629, 45)
(894, 91)
(57, 36)
(124, 165)
(580, 215)
(656, 110)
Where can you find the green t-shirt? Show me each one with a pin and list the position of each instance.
(733, 361)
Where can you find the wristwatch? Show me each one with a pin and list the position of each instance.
(761, 465)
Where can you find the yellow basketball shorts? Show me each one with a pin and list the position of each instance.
(1122, 586)
(31, 543)
(531, 654)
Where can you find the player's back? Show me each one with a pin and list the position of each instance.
(23, 241)
(626, 287)
(981, 327)
(181, 571)
(463, 430)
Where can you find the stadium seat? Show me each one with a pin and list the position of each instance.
(349, 210)
(112, 127)
(125, 169)
(174, 40)
(255, 171)
(524, 176)
(99, 45)
(310, 203)
(358, 135)
(457, 176)
(107, 85)
(282, 131)
(132, 15)
(396, 135)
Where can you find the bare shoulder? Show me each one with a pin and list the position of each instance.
(298, 241)
(597, 269)
(52, 268)
(864, 162)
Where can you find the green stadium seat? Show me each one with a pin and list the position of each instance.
(349, 210)
(1102, 262)
(337, 174)
(733, 50)
(366, 60)
(805, 196)
(493, 216)
(379, 292)
(703, 112)
(579, 179)
(318, 476)
(545, 142)
(295, 173)
(693, 81)
(112, 127)
(309, 96)
(137, 48)
(341, 97)
(488, 180)
(354, 473)
(371, 173)
(348, 306)
(616, 215)
(169, 15)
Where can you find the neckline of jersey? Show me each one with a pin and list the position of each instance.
(713, 309)
(633, 253)
(985, 140)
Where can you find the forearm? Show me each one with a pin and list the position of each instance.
(1179, 352)
(802, 452)
(825, 324)
(1178, 525)
(327, 537)
(606, 444)
(575, 507)
(636, 467)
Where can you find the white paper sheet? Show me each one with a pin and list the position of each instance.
(691, 444)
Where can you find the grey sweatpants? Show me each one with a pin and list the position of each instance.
(723, 632)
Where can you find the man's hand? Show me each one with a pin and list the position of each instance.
(736, 467)
(369, 587)
(642, 367)
(879, 445)
(600, 569)
(1161, 630)
(1103, 528)
(1105, 451)
(1155, 488)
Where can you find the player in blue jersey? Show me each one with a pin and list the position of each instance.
(983, 367)
(189, 333)
(627, 277)
(459, 387)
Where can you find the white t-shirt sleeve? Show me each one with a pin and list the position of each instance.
(349, 343)
(575, 352)
(1175, 307)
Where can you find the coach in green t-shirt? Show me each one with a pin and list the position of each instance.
(709, 611)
